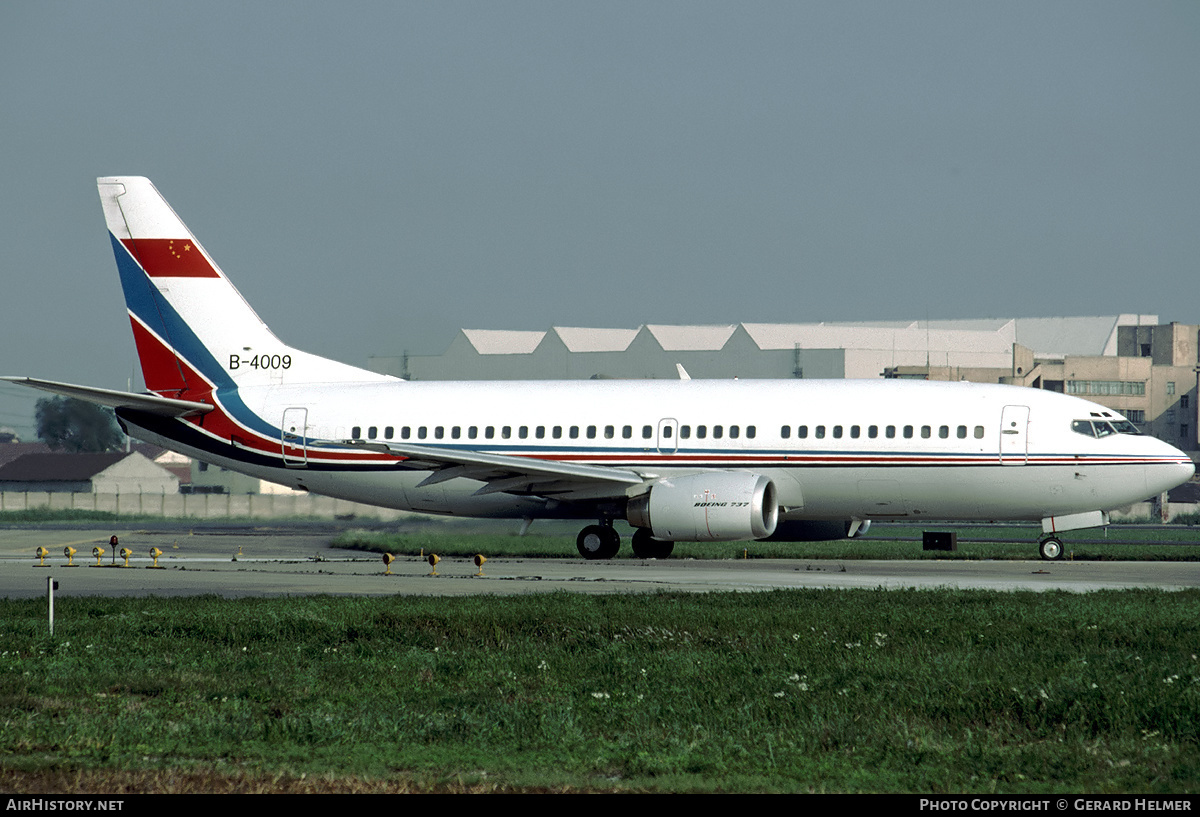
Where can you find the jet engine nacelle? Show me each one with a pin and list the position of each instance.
(719, 506)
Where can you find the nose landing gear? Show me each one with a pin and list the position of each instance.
(1050, 549)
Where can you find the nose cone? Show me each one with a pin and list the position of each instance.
(1170, 468)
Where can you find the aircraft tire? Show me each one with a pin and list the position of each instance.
(598, 542)
(645, 546)
(1050, 549)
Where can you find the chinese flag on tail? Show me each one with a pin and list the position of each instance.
(170, 257)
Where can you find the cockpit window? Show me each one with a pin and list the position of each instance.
(1101, 428)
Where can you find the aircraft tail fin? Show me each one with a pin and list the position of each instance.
(194, 331)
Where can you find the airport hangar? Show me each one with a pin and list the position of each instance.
(1132, 363)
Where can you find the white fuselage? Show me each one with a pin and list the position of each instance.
(835, 449)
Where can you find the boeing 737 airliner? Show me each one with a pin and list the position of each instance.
(687, 460)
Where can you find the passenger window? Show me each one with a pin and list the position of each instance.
(701, 432)
(685, 432)
(574, 432)
(820, 433)
(962, 432)
(891, 432)
(490, 432)
(523, 432)
(371, 432)
(506, 432)
(872, 431)
(718, 432)
(785, 432)
(627, 432)
(540, 432)
(926, 432)
(609, 432)
(647, 432)
(558, 432)
(405, 432)
(908, 432)
(387, 433)
(666, 432)
(591, 432)
(472, 432)
(455, 432)
(422, 433)
(979, 432)
(944, 432)
(356, 432)
(837, 432)
(734, 432)
(854, 432)
(802, 432)
(439, 432)
(751, 432)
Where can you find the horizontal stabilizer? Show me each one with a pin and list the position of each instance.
(149, 403)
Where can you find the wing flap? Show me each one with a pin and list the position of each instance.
(504, 473)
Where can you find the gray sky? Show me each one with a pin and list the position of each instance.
(374, 176)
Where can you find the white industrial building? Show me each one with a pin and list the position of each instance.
(775, 350)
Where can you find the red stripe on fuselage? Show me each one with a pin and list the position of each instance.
(221, 426)
(170, 257)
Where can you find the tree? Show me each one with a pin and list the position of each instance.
(77, 425)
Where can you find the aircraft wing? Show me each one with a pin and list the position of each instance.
(507, 474)
(150, 403)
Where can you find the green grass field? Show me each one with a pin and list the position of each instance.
(793, 691)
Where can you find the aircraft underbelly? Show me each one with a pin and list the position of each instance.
(968, 493)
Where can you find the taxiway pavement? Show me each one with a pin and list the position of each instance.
(234, 563)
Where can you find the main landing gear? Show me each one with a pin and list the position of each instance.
(598, 542)
(1051, 549)
(602, 542)
(646, 546)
